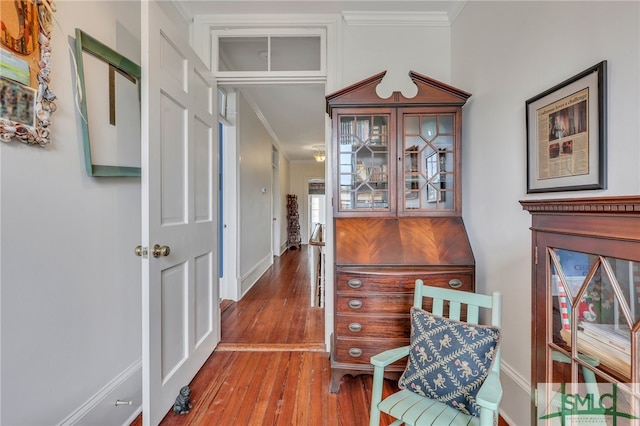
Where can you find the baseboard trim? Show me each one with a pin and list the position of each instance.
(126, 386)
(251, 277)
(516, 377)
(520, 381)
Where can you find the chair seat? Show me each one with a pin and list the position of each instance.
(414, 409)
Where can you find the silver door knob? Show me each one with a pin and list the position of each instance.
(159, 250)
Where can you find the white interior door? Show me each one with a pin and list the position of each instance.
(181, 317)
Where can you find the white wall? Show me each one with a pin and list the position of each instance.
(370, 49)
(69, 281)
(254, 149)
(505, 53)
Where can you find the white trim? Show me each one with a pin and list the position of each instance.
(263, 20)
(455, 10)
(252, 277)
(268, 33)
(126, 387)
(416, 19)
(516, 377)
(249, 78)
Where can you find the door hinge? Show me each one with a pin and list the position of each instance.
(535, 397)
(535, 255)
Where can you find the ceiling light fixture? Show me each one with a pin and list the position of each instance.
(319, 156)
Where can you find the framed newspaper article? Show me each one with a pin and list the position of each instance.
(566, 134)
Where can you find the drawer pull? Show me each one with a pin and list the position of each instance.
(355, 304)
(355, 283)
(355, 327)
(455, 283)
(355, 352)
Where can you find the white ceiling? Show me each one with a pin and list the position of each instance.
(294, 113)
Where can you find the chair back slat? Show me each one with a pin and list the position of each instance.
(438, 306)
(457, 300)
(473, 314)
(454, 310)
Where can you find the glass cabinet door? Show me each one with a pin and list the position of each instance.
(595, 302)
(595, 308)
(428, 167)
(364, 154)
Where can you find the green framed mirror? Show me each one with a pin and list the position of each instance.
(110, 110)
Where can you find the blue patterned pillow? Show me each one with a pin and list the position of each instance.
(449, 359)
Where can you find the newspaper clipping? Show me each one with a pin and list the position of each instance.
(563, 137)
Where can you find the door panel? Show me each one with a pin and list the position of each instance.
(173, 175)
(203, 169)
(174, 287)
(203, 309)
(181, 316)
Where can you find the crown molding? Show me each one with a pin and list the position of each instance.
(455, 10)
(415, 19)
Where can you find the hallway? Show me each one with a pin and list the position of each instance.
(270, 367)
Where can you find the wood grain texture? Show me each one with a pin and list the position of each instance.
(402, 241)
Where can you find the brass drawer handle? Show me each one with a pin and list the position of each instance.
(355, 304)
(455, 283)
(355, 352)
(354, 283)
(355, 327)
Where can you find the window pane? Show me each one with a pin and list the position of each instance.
(243, 53)
(295, 53)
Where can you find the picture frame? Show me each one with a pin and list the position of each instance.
(567, 134)
(26, 101)
(110, 114)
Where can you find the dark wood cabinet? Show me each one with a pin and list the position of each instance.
(377, 263)
(397, 213)
(586, 300)
(397, 156)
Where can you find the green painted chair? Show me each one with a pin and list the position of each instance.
(413, 409)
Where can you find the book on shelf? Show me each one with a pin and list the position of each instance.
(609, 334)
(606, 354)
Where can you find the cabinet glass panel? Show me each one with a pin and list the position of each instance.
(597, 299)
(429, 153)
(364, 162)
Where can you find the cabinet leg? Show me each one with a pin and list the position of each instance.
(336, 381)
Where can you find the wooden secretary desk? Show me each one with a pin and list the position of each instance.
(397, 213)
(586, 301)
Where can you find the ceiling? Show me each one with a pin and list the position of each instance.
(294, 114)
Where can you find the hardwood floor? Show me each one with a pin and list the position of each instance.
(270, 367)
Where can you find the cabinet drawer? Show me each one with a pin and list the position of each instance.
(361, 351)
(367, 327)
(350, 282)
(379, 304)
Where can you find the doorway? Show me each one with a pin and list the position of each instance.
(264, 65)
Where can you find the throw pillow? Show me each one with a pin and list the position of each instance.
(449, 359)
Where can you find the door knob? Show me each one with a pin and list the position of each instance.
(139, 251)
(161, 250)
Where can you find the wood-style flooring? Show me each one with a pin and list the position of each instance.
(270, 367)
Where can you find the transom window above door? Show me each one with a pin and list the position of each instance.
(297, 52)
